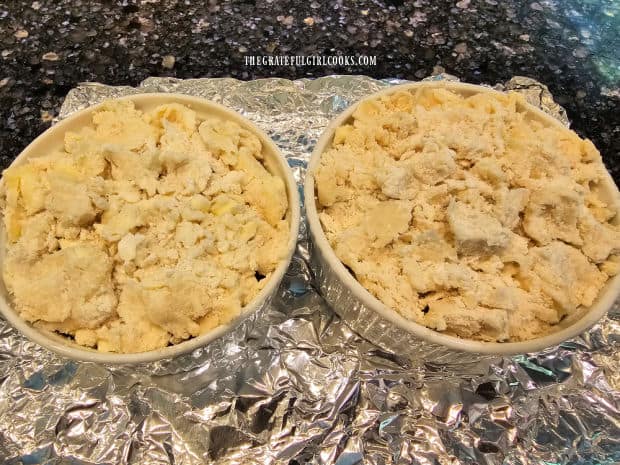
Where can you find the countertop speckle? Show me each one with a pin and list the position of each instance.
(48, 47)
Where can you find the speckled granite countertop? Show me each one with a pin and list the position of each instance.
(47, 47)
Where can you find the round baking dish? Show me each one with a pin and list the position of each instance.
(386, 327)
(53, 138)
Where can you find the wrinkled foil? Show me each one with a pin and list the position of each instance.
(294, 383)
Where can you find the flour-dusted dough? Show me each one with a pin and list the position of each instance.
(465, 215)
(147, 229)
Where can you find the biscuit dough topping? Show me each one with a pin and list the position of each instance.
(466, 215)
(147, 229)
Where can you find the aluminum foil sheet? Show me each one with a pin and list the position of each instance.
(295, 384)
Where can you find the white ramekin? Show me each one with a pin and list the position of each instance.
(386, 327)
(53, 139)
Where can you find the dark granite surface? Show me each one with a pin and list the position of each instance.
(47, 47)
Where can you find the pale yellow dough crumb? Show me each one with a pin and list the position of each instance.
(467, 216)
(146, 230)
